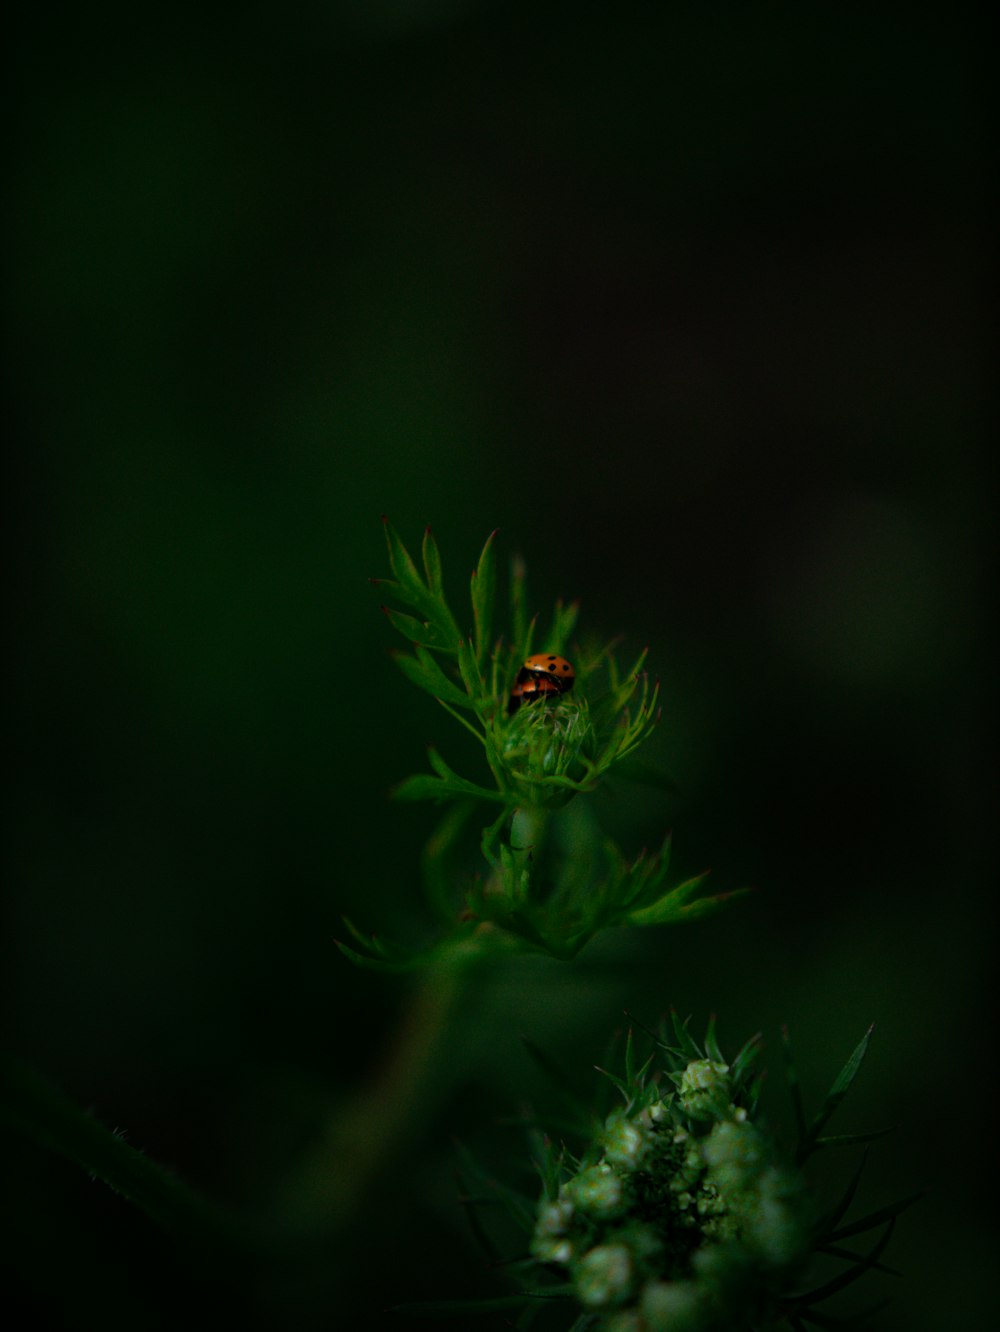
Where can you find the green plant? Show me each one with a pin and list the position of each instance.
(550, 880)
(678, 1210)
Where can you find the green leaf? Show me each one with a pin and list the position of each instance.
(617, 1082)
(747, 1057)
(400, 561)
(841, 1086)
(410, 588)
(518, 607)
(416, 631)
(712, 1044)
(874, 1219)
(563, 619)
(391, 958)
(424, 787)
(446, 784)
(676, 904)
(432, 564)
(686, 1046)
(423, 671)
(483, 593)
(705, 906)
(841, 1208)
(849, 1256)
(472, 676)
(853, 1274)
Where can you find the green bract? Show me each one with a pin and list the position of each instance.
(551, 880)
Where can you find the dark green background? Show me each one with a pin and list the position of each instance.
(682, 298)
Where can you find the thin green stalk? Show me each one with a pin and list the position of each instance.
(42, 1112)
(366, 1136)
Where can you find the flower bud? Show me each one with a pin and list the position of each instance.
(604, 1275)
(624, 1142)
(598, 1191)
(554, 1218)
(705, 1092)
(735, 1156)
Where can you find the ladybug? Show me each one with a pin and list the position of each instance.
(544, 675)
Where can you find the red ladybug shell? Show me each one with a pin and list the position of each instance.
(548, 663)
(544, 675)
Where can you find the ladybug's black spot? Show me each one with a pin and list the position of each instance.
(552, 656)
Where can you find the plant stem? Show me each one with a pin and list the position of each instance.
(34, 1107)
(366, 1136)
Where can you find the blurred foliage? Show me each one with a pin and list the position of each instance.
(686, 301)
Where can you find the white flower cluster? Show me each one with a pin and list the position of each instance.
(679, 1204)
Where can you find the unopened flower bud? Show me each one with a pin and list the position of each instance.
(598, 1191)
(704, 1089)
(604, 1275)
(624, 1142)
